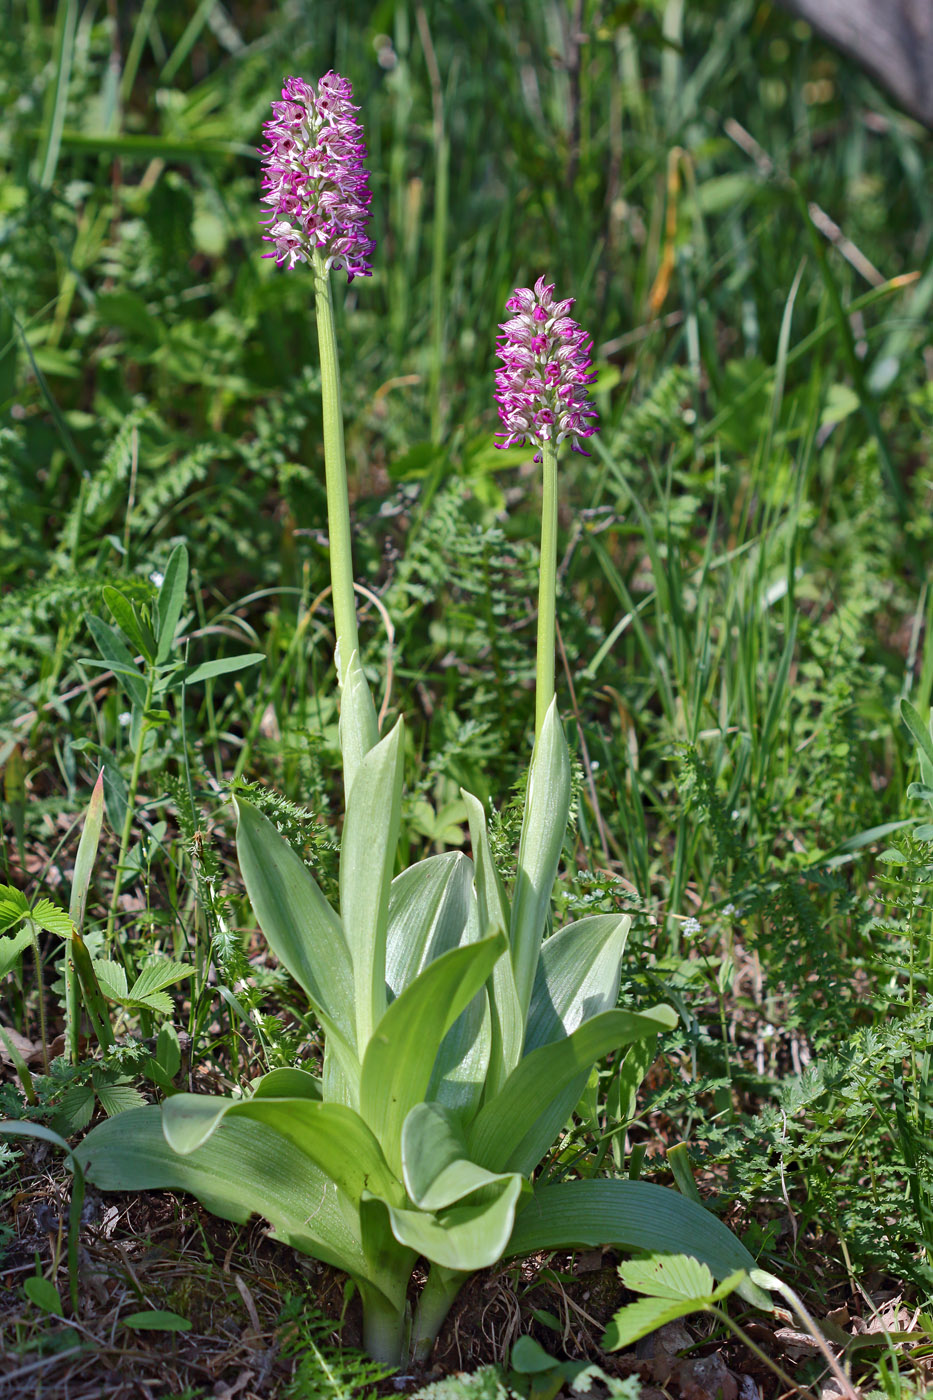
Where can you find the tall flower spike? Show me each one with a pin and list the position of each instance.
(313, 175)
(542, 382)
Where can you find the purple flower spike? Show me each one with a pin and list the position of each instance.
(542, 382)
(314, 178)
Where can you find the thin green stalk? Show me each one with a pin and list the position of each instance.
(335, 472)
(547, 588)
(130, 813)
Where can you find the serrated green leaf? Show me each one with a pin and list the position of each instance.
(111, 978)
(155, 1001)
(636, 1320)
(12, 948)
(156, 975)
(117, 1096)
(13, 906)
(49, 917)
(672, 1276)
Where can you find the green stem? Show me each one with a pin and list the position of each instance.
(547, 588)
(335, 472)
(130, 814)
(437, 1298)
(736, 1330)
(384, 1328)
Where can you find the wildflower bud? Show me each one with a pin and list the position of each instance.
(313, 175)
(542, 382)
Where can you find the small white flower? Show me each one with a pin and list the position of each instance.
(124, 719)
(157, 578)
(735, 814)
(729, 912)
(692, 927)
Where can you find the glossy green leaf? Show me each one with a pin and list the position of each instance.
(244, 1168)
(156, 1320)
(507, 1017)
(300, 927)
(436, 1169)
(472, 1235)
(677, 1285)
(367, 858)
(287, 1083)
(331, 1135)
(357, 728)
(577, 978)
(514, 1130)
(399, 1059)
(429, 905)
(462, 1063)
(547, 808)
(631, 1215)
(171, 601)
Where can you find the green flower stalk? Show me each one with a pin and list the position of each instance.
(542, 393)
(318, 193)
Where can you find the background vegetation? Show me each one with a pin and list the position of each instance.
(747, 225)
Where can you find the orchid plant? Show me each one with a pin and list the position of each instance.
(458, 1037)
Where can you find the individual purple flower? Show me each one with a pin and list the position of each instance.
(313, 175)
(542, 382)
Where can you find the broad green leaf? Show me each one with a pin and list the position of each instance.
(631, 1215)
(130, 623)
(156, 1320)
(171, 600)
(159, 974)
(514, 1130)
(578, 977)
(115, 653)
(244, 1169)
(300, 927)
(367, 856)
(168, 1051)
(547, 807)
(330, 1135)
(507, 1016)
(435, 1166)
(155, 1001)
(87, 853)
(223, 666)
(462, 1064)
(43, 1293)
(400, 1057)
(111, 978)
(429, 904)
(357, 727)
(49, 917)
(287, 1083)
(472, 1235)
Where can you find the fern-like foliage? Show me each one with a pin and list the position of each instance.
(323, 1368)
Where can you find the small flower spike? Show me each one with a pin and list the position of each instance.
(542, 382)
(314, 178)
